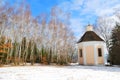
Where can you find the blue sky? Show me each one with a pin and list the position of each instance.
(82, 12)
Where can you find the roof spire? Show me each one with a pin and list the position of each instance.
(89, 27)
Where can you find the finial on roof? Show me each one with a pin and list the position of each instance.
(89, 28)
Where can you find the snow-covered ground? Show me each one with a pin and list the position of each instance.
(60, 73)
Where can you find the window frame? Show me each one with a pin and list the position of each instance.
(99, 52)
(80, 53)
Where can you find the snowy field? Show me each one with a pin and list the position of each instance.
(60, 73)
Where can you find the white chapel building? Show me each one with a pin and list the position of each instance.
(91, 48)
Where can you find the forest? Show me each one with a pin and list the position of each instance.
(46, 38)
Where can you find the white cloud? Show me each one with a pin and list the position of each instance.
(77, 4)
(101, 7)
(77, 27)
(87, 9)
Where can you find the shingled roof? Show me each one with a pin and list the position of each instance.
(90, 36)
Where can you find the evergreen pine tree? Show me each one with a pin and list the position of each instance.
(115, 46)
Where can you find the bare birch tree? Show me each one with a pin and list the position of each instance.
(47, 38)
(104, 28)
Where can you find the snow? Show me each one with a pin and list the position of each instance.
(40, 72)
